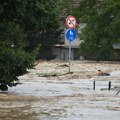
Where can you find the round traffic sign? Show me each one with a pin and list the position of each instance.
(71, 22)
(71, 34)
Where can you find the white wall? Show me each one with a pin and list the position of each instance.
(116, 45)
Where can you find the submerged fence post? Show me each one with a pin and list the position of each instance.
(109, 85)
(93, 85)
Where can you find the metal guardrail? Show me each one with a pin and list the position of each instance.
(94, 85)
(109, 86)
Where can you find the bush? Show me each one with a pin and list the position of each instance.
(13, 63)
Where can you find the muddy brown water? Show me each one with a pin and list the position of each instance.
(42, 99)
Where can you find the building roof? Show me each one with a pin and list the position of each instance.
(64, 46)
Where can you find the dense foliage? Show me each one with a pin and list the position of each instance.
(102, 18)
(19, 21)
(42, 16)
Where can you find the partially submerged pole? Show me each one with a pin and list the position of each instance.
(109, 85)
(69, 55)
(93, 85)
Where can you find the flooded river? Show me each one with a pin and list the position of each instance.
(41, 99)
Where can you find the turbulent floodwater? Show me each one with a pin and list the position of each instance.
(41, 99)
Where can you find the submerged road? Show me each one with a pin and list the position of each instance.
(42, 99)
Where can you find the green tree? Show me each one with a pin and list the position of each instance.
(102, 29)
(14, 61)
(18, 20)
(43, 16)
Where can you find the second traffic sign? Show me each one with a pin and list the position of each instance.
(71, 34)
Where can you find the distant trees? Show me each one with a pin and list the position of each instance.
(20, 20)
(102, 28)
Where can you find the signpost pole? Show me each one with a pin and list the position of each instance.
(69, 54)
(70, 33)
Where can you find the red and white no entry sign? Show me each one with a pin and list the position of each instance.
(71, 22)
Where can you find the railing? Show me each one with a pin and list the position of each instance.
(94, 85)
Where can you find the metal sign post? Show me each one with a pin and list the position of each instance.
(69, 54)
(71, 36)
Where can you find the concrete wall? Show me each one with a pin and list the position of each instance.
(62, 53)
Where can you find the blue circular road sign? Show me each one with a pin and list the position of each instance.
(71, 34)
